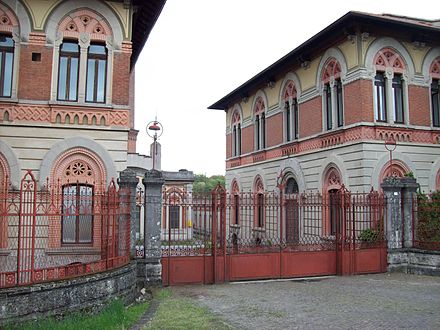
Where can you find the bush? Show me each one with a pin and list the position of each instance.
(369, 235)
(428, 226)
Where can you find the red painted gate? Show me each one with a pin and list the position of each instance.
(244, 236)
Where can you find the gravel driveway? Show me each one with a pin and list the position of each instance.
(381, 301)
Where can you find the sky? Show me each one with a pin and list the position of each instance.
(200, 50)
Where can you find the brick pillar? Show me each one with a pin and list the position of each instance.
(128, 181)
(150, 266)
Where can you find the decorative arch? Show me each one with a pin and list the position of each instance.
(382, 162)
(109, 20)
(430, 65)
(4, 171)
(85, 21)
(290, 78)
(89, 146)
(236, 117)
(434, 70)
(331, 68)
(397, 169)
(291, 167)
(19, 23)
(389, 58)
(392, 44)
(333, 161)
(9, 165)
(235, 189)
(336, 55)
(260, 99)
(332, 178)
(258, 186)
(79, 165)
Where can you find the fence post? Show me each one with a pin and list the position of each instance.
(128, 183)
(409, 193)
(392, 188)
(151, 265)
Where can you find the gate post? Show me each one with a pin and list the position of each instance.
(151, 268)
(392, 188)
(128, 183)
(409, 197)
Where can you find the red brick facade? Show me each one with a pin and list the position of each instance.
(419, 112)
(274, 130)
(310, 117)
(358, 102)
(121, 78)
(35, 76)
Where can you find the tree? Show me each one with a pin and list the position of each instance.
(204, 184)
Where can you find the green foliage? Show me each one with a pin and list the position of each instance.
(204, 184)
(409, 175)
(369, 235)
(114, 316)
(428, 226)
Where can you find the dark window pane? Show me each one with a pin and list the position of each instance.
(328, 106)
(68, 72)
(295, 118)
(291, 186)
(6, 42)
(77, 216)
(174, 216)
(234, 141)
(260, 210)
(236, 209)
(435, 103)
(263, 131)
(258, 135)
(379, 82)
(398, 99)
(287, 109)
(239, 140)
(339, 103)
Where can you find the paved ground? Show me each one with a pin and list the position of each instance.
(382, 301)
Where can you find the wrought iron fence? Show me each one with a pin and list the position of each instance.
(248, 222)
(60, 231)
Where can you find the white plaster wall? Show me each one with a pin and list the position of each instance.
(31, 144)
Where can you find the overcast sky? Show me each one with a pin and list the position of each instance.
(200, 50)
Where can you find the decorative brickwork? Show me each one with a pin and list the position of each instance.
(389, 58)
(85, 21)
(7, 19)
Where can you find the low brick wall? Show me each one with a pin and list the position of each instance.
(57, 298)
(414, 261)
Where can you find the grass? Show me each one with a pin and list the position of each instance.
(114, 317)
(182, 313)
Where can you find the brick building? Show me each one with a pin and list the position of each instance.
(67, 105)
(318, 118)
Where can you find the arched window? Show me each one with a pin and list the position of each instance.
(332, 184)
(236, 134)
(332, 94)
(259, 210)
(260, 124)
(291, 210)
(435, 96)
(6, 65)
(390, 87)
(291, 112)
(84, 58)
(68, 71)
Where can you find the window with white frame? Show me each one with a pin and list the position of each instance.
(333, 95)
(6, 65)
(68, 71)
(96, 73)
(390, 87)
(260, 124)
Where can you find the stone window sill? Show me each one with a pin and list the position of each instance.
(73, 250)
